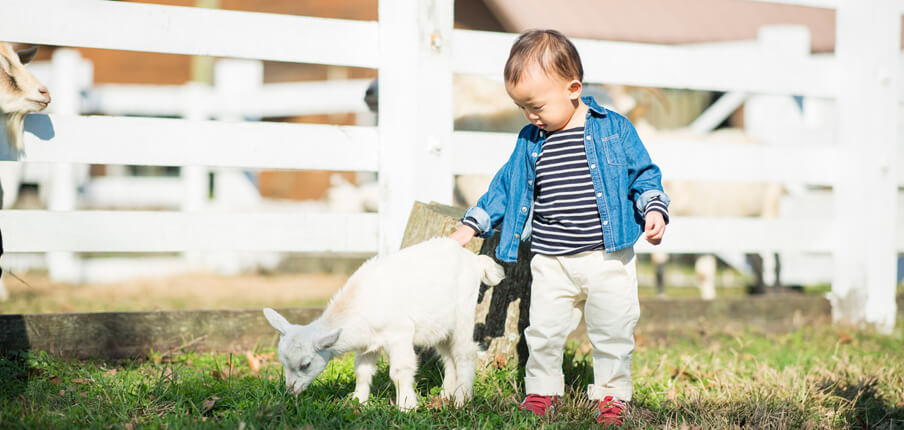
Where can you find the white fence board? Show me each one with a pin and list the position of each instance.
(138, 231)
(176, 142)
(272, 100)
(484, 53)
(141, 231)
(191, 31)
(484, 153)
(714, 235)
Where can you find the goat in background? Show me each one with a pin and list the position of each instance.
(21, 93)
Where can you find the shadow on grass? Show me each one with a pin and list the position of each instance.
(15, 374)
(868, 409)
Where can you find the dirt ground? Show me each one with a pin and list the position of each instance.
(191, 291)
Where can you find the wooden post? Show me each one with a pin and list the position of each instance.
(868, 44)
(415, 110)
(501, 318)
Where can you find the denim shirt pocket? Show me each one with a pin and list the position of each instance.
(615, 152)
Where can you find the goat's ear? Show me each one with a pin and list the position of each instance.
(277, 321)
(26, 55)
(327, 340)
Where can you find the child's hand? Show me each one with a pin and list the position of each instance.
(655, 227)
(463, 235)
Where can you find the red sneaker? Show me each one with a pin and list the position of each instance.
(610, 411)
(539, 405)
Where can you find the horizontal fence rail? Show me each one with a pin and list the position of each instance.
(192, 31)
(699, 68)
(176, 142)
(682, 159)
(270, 100)
(145, 231)
(262, 145)
(356, 233)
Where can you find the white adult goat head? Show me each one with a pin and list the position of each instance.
(21, 92)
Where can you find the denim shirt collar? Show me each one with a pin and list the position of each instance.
(594, 108)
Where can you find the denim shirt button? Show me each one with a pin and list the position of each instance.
(605, 222)
(523, 209)
(593, 166)
(517, 235)
(599, 194)
(530, 182)
(588, 137)
(534, 155)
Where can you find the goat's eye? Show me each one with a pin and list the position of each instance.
(12, 81)
(304, 366)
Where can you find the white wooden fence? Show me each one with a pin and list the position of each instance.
(415, 151)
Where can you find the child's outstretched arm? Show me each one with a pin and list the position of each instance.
(645, 181)
(479, 220)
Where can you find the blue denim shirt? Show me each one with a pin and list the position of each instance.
(624, 179)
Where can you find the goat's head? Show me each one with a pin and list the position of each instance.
(21, 92)
(303, 350)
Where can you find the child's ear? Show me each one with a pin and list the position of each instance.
(574, 89)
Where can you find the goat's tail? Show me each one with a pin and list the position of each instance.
(490, 273)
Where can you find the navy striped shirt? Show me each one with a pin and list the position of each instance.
(566, 216)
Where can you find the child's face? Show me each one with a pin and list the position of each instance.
(547, 101)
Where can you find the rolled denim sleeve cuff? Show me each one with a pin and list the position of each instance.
(657, 205)
(647, 196)
(471, 222)
(480, 221)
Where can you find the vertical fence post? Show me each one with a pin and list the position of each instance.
(868, 44)
(63, 266)
(415, 120)
(195, 188)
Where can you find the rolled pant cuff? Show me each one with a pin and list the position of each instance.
(597, 392)
(545, 386)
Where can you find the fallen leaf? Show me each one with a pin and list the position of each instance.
(217, 374)
(500, 361)
(168, 374)
(55, 379)
(640, 340)
(672, 393)
(207, 404)
(62, 392)
(110, 372)
(843, 337)
(436, 403)
(253, 362)
(70, 388)
(81, 381)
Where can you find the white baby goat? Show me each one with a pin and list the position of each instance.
(424, 295)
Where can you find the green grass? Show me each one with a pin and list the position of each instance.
(811, 378)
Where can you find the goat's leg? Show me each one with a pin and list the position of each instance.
(449, 378)
(402, 366)
(463, 351)
(365, 368)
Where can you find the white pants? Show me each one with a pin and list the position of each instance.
(605, 285)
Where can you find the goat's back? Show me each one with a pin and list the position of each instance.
(428, 284)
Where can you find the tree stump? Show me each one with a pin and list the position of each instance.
(500, 320)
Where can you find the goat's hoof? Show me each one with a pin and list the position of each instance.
(408, 405)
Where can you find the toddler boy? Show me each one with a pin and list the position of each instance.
(581, 186)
